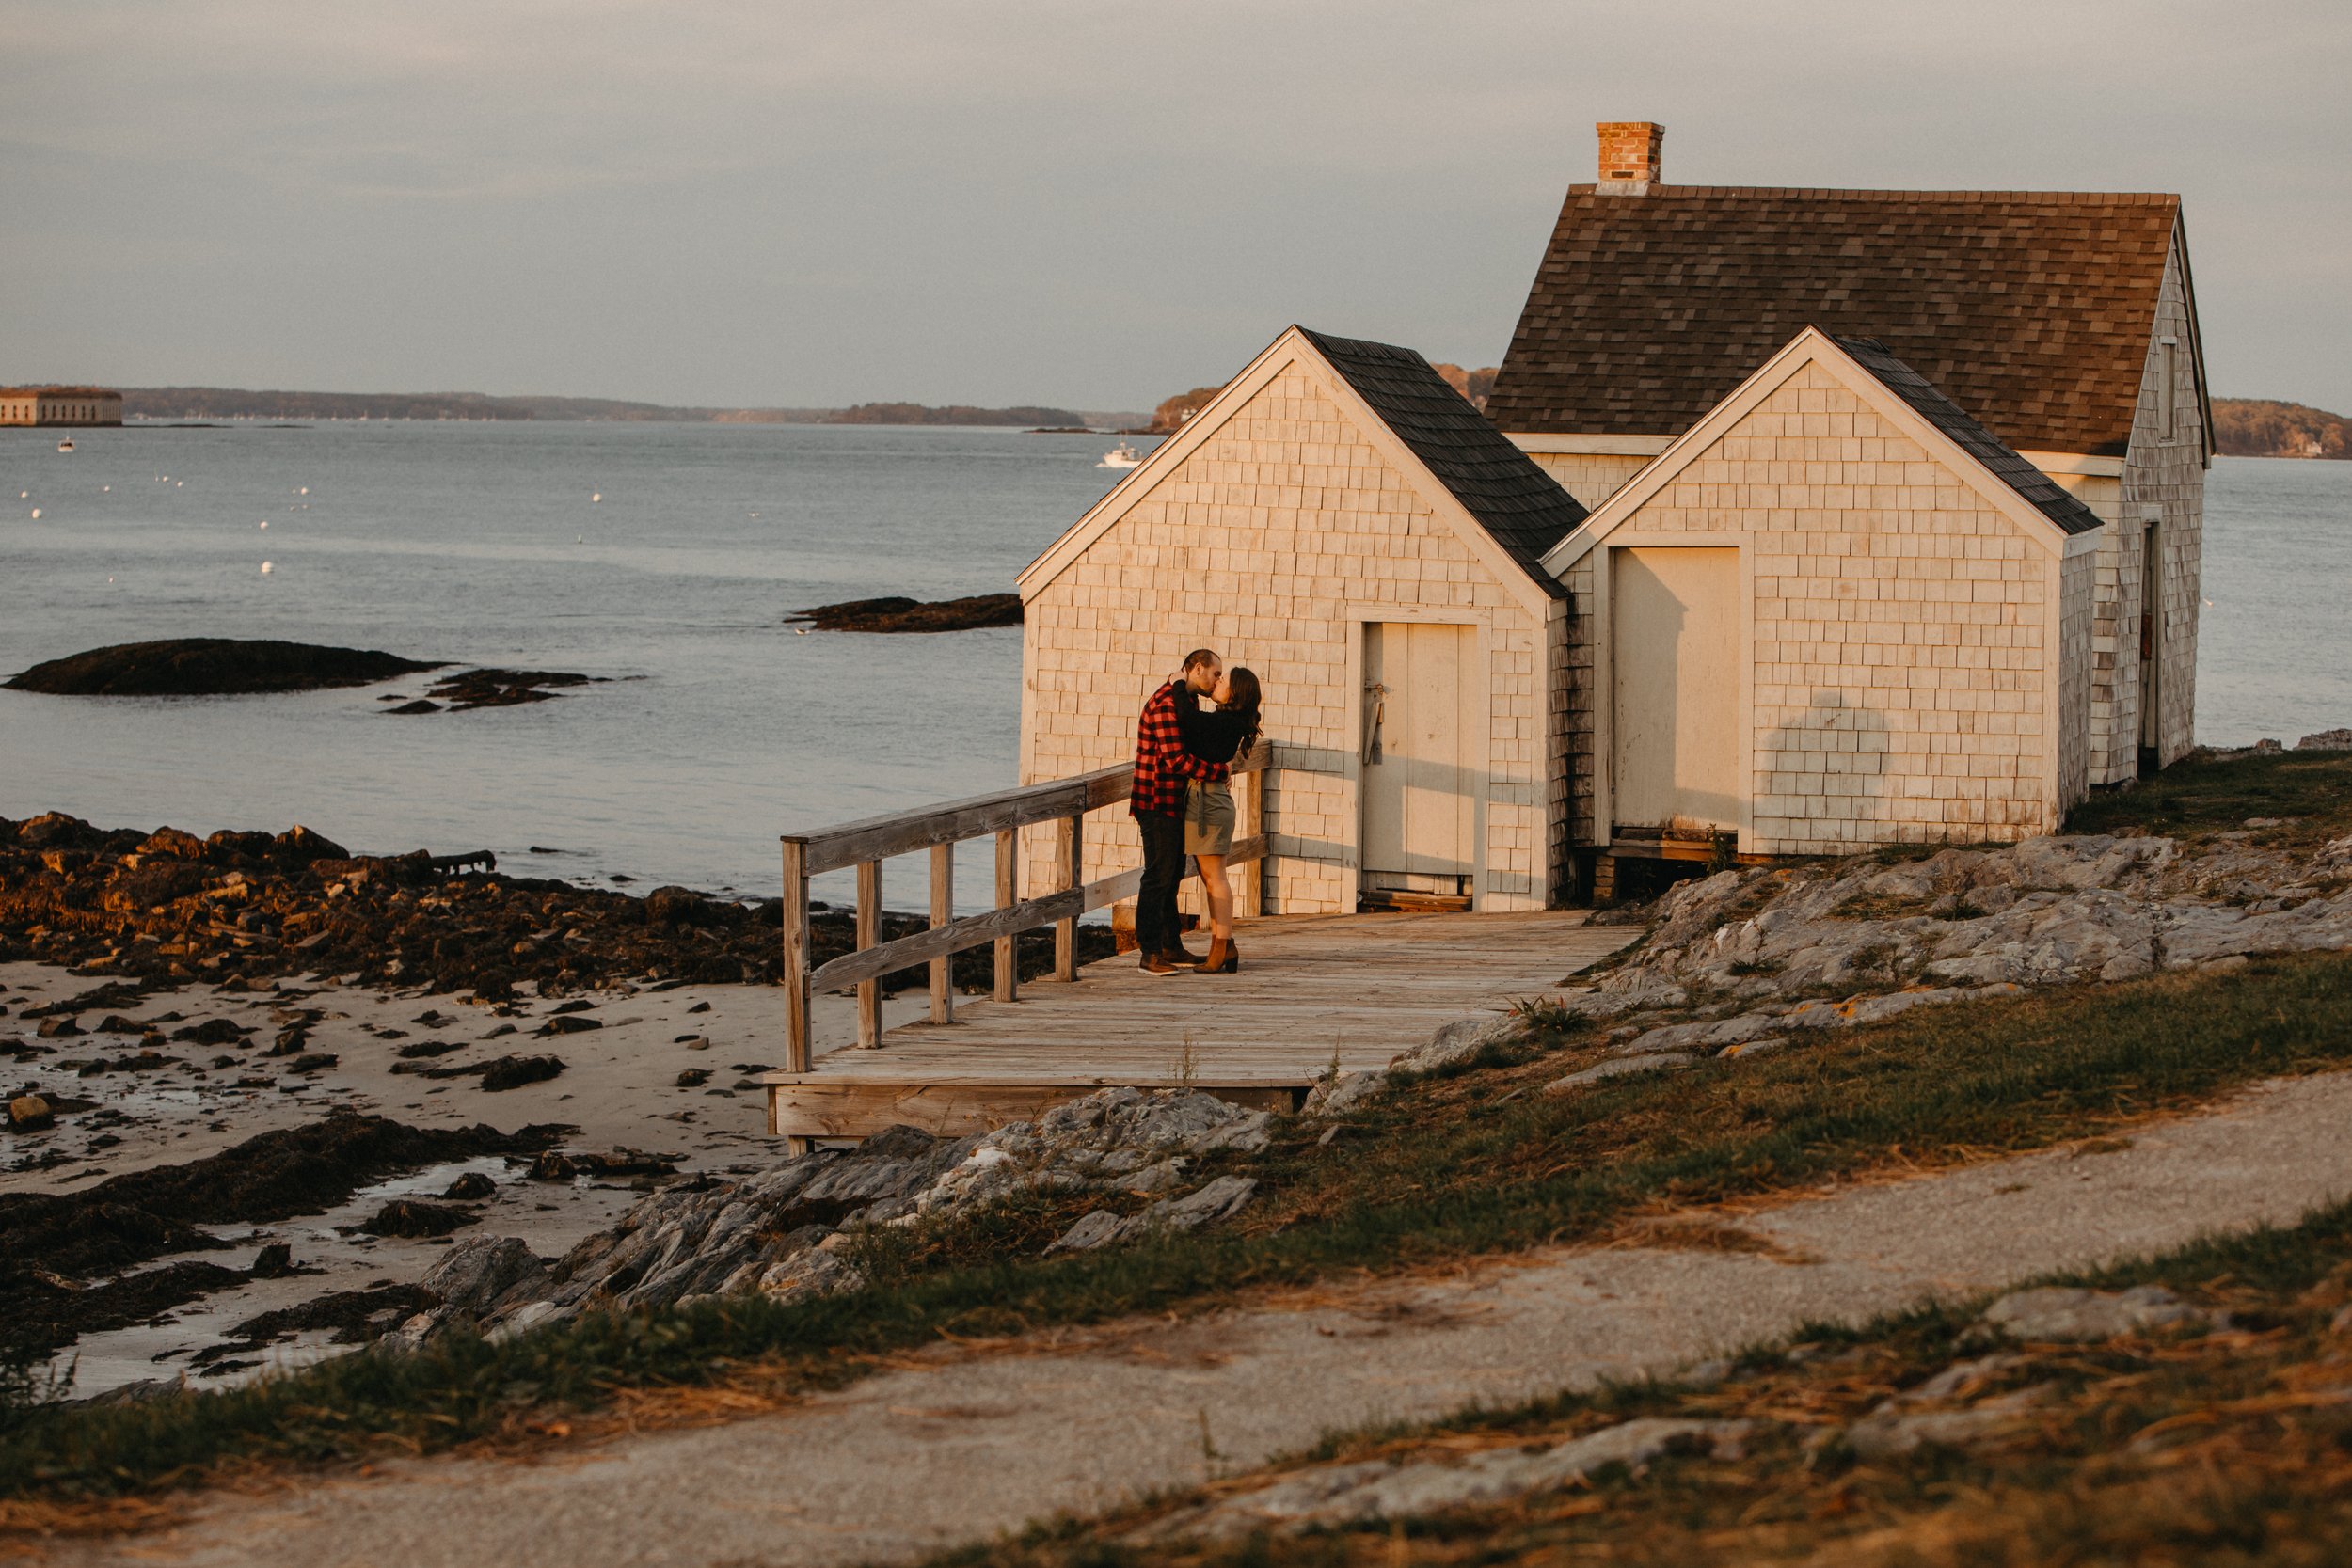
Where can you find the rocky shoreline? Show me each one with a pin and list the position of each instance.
(151, 910)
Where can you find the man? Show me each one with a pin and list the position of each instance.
(1163, 770)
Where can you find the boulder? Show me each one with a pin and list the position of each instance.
(2064, 1315)
(411, 1218)
(478, 1273)
(1333, 1496)
(1460, 1042)
(1219, 1199)
(1335, 1096)
(30, 1112)
(1616, 1066)
(513, 1073)
(1891, 1431)
(172, 842)
(676, 906)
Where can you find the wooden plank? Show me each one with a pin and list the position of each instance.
(1070, 874)
(976, 817)
(902, 833)
(952, 1111)
(972, 931)
(796, 947)
(1007, 896)
(869, 933)
(943, 913)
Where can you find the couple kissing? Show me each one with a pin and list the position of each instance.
(1184, 805)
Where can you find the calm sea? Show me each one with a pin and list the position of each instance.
(484, 543)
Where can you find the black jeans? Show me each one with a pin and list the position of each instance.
(1158, 928)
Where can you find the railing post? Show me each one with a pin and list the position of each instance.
(1250, 811)
(796, 1049)
(1008, 895)
(942, 910)
(1069, 835)
(869, 933)
(797, 1055)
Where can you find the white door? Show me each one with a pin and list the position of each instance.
(1675, 618)
(1419, 811)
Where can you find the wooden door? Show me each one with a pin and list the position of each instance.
(1420, 806)
(1675, 618)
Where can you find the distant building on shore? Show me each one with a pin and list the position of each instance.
(59, 405)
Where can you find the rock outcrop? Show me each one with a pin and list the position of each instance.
(211, 666)
(897, 614)
(788, 1233)
(1746, 959)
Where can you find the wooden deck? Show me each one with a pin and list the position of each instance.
(1363, 987)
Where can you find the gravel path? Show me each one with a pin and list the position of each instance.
(962, 1445)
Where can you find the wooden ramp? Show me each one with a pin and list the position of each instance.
(1361, 987)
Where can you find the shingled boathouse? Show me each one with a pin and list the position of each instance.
(1339, 517)
(1826, 519)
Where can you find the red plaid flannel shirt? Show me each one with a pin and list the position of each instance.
(1163, 767)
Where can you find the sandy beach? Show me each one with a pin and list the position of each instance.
(626, 1085)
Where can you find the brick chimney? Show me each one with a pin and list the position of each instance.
(1629, 156)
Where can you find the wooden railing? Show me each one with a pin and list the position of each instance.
(866, 845)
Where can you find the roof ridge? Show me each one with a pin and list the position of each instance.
(1507, 492)
(2053, 197)
(1996, 456)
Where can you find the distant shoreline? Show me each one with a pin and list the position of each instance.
(160, 404)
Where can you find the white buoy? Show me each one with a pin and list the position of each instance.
(108, 488)
(598, 497)
(581, 540)
(266, 522)
(36, 513)
(177, 484)
(306, 489)
(266, 566)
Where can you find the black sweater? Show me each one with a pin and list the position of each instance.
(1211, 734)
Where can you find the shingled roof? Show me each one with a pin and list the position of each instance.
(1929, 402)
(2033, 309)
(1523, 508)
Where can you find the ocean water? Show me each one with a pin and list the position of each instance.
(721, 726)
(482, 543)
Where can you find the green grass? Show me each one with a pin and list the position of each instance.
(2201, 796)
(1450, 1168)
(2225, 1449)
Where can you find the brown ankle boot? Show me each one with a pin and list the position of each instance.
(1224, 958)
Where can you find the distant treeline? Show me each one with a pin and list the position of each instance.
(2257, 427)
(229, 403)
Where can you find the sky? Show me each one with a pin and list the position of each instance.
(1085, 204)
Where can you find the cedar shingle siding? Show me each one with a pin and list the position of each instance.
(2032, 311)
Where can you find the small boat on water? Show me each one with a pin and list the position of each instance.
(66, 445)
(1119, 456)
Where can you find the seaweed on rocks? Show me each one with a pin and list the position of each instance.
(153, 911)
(497, 689)
(53, 1245)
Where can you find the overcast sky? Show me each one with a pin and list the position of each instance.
(1091, 203)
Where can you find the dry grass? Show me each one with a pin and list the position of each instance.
(2227, 1449)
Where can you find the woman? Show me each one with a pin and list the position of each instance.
(1220, 737)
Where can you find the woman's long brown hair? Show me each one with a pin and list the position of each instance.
(1242, 690)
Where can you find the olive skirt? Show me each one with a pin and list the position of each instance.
(1208, 819)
